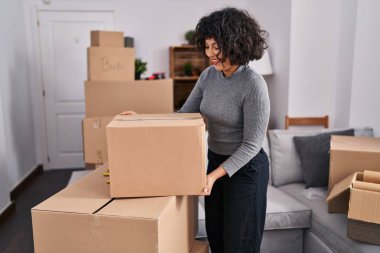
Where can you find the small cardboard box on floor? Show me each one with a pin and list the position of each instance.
(111, 63)
(94, 139)
(107, 39)
(84, 218)
(359, 196)
(352, 154)
(111, 98)
(156, 155)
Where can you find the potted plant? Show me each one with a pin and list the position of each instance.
(140, 68)
(189, 36)
(188, 69)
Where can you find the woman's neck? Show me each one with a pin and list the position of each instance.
(229, 71)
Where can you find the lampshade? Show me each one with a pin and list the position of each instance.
(263, 66)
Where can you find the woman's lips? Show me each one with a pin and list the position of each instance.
(214, 62)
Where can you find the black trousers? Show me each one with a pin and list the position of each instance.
(236, 207)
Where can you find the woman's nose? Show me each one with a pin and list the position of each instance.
(209, 53)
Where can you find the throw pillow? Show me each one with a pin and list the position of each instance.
(314, 153)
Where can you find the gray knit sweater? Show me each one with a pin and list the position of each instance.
(237, 112)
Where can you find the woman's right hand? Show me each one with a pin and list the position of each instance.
(128, 113)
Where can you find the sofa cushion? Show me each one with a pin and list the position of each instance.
(285, 162)
(330, 228)
(282, 241)
(315, 157)
(284, 212)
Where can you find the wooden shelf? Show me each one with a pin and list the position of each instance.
(179, 56)
(185, 78)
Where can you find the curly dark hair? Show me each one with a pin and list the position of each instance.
(239, 36)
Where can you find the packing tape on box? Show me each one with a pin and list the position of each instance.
(366, 186)
(99, 156)
(96, 123)
(371, 176)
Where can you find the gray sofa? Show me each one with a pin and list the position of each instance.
(297, 219)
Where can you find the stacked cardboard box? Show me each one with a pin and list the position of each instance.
(354, 184)
(84, 218)
(111, 89)
(156, 155)
(159, 157)
(359, 196)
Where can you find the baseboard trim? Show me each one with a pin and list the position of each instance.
(15, 192)
(7, 211)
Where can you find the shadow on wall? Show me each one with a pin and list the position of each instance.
(18, 117)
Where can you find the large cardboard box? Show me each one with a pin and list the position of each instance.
(94, 139)
(84, 218)
(352, 154)
(156, 155)
(111, 63)
(359, 196)
(111, 98)
(107, 39)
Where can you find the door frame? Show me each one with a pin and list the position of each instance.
(31, 10)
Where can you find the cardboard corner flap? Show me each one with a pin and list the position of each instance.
(339, 196)
(86, 196)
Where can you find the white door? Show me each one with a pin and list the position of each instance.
(64, 38)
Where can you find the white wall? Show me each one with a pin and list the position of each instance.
(314, 48)
(4, 178)
(365, 95)
(274, 16)
(16, 112)
(156, 25)
(345, 63)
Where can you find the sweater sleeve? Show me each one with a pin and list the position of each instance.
(193, 102)
(256, 109)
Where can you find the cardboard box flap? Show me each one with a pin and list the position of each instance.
(157, 120)
(137, 207)
(364, 206)
(339, 190)
(360, 144)
(84, 196)
(339, 196)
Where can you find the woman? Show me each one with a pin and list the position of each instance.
(234, 100)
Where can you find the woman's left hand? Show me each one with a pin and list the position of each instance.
(210, 180)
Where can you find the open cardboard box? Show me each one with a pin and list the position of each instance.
(84, 218)
(359, 196)
(352, 154)
(156, 155)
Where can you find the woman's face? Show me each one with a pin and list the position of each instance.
(212, 50)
